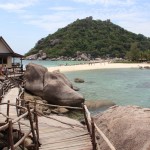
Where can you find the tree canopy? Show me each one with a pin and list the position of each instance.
(95, 37)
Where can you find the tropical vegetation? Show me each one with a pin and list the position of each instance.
(96, 38)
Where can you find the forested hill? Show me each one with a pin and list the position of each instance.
(95, 37)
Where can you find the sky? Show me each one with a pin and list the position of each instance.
(24, 22)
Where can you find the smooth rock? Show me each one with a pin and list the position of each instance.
(53, 87)
(57, 92)
(34, 78)
(78, 80)
(127, 127)
(96, 104)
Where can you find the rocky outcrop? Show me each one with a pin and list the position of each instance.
(54, 42)
(82, 56)
(40, 56)
(32, 57)
(78, 80)
(56, 91)
(51, 86)
(63, 78)
(34, 78)
(97, 104)
(126, 127)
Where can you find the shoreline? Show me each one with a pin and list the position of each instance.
(96, 66)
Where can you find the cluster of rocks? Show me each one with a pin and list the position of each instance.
(43, 109)
(39, 56)
(145, 67)
(51, 42)
(78, 80)
(53, 87)
(79, 56)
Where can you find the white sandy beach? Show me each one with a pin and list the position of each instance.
(80, 67)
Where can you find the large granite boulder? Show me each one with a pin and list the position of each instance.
(51, 86)
(126, 127)
(56, 91)
(34, 78)
(62, 78)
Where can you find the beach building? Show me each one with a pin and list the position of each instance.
(8, 66)
(7, 55)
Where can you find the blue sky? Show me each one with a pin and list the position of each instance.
(24, 22)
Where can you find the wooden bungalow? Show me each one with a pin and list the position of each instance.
(7, 56)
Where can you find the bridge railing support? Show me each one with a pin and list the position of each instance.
(93, 128)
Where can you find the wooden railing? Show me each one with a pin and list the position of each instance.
(15, 70)
(93, 129)
(91, 125)
(10, 122)
(6, 85)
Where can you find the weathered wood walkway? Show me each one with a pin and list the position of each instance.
(11, 96)
(55, 135)
(55, 132)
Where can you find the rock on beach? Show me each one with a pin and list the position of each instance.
(127, 127)
(51, 86)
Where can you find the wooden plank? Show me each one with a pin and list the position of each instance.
(77, 140)
(63, 134)
(67, 145)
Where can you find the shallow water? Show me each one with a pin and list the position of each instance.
(122, 86)
(48, 63)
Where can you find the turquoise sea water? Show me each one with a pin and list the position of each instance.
(122, 86)
(48, 63)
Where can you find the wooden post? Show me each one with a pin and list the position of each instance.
(37, 127)
(18, 114)
(8, 109)
(35, 111)
(36, 122)
(32, 127)
(22, 95)
(11, 142)
(86, 120)
(3, 93)
(93, 134)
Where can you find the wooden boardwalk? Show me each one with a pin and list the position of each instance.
(55, 132)
(55, 135)
(11, 96)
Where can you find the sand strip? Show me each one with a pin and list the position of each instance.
(80, 67)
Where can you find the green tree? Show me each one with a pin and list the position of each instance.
(134, 54)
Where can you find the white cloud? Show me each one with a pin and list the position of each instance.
(49, 23)
(61, 16)
(16, 5)
(107, 2)
(130, 19)
(62, 8)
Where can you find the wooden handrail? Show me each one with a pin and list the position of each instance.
(32, 129)
(22, 139)
(10, 125)
(4, 127)
(98, 130)
(14, 105)
(11, 140)
(51, 105)
(5, 115)
(104, 137)
(20, 117)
